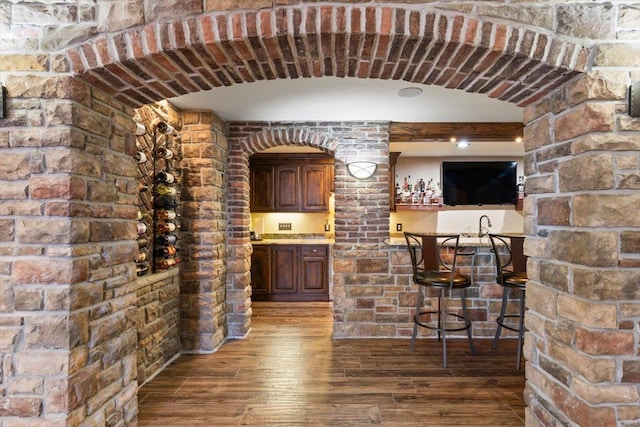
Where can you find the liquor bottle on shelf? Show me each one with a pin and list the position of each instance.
(165, 190)
(167, 239)
(165, 227)
(166, 251)
(164, 153)
(166, 214)
(165, 177)
(166, 202)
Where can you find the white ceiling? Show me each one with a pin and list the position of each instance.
(351, 99)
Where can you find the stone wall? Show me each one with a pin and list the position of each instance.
(203, 312)
(158, 322)
(583, 295)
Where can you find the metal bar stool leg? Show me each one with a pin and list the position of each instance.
(467, 321)
(415, 317)
(503, 309)
(443, 315)
(520, 328)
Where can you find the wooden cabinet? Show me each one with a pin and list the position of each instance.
(393, 159)
(261, 270)
(290, 273)
(290, 182)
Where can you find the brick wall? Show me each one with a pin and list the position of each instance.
(361, 216)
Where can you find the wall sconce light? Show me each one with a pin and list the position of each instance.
(362, 170)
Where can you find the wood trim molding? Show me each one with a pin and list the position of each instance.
(443, 131)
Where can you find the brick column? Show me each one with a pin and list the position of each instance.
(584, 243)
(203, 270)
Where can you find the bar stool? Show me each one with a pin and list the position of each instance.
(431, 271)
(511, 273)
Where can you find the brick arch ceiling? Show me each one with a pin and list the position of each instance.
(167, 59)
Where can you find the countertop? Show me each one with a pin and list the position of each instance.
(292, 242)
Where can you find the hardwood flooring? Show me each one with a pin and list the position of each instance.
(290, 372)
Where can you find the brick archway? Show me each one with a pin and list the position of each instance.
(161, 60)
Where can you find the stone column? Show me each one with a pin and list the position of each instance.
(68, 281)
(583, 242)
(204, 224)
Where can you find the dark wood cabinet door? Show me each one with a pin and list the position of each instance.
(287, 191)
(260, 272)
(262, 194)
(284, 273)
(313, 269)
(315, 188)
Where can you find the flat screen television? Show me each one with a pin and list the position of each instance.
(479, 183)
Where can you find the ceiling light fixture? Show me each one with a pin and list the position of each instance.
(518, 139)
(462, 145)
(409, 92)
(362, 170)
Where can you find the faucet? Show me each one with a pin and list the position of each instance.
(483, 231)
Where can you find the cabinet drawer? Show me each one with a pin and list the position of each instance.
(314, 250)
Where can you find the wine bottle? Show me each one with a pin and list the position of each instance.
(142, 228)
(141, 269)
(140, 129)
(166, 190)
(140, 157)
(166, 251)
(165, 177)
(164, 153)
(141, 257)
(165, 128)
(143, 242)
(167, 263)
(166, 214)
(142, 188)
(165, 227)
(166, 202)
(167, 239)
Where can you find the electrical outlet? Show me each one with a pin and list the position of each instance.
(399, 226)
(284, 226)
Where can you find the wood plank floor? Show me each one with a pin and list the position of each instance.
(290, 372)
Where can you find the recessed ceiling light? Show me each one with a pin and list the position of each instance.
(409, 92)
(519, 139)
(462, 145)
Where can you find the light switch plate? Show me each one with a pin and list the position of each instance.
(284, 226)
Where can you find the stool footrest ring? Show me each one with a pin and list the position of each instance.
(416, 319)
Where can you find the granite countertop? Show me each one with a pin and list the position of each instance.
(292, 242)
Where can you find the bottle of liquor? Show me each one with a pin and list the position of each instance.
(166, 214)
(166, 190)
(165, 227)
(165, 177)
(164, 153)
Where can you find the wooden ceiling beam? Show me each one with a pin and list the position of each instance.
(444, 131)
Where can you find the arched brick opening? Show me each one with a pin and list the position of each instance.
(513, 62)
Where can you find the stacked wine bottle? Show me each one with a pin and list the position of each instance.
(143, 257)
(165, 205)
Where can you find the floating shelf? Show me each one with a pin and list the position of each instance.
(419, 207)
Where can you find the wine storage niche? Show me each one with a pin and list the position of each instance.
(159, 203)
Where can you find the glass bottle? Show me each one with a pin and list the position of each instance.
(166, 214)
(166, 263)
(140, 157)
(166, 251)
(142, 228)
(166, 202)
(165, 227)
(165, 177)
(164, 153)
(167, 239)
(166, 190)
